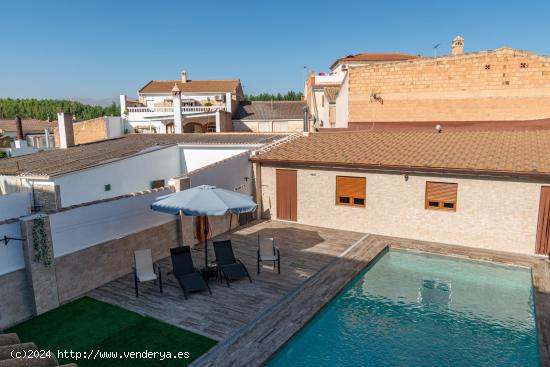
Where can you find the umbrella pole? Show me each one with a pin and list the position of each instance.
(180, 234)
(206, 242)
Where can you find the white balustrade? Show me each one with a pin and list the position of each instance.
(184, 109)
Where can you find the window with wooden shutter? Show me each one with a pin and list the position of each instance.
(351, 191)
(441, 195)
(157, 184)
(332, 114)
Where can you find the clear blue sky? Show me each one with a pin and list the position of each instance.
(102, 48)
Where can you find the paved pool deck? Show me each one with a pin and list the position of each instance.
(254, 343)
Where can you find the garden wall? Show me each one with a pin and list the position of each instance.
(91, 244)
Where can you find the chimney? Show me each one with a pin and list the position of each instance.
(311, 78)
(20, 141)
(18, 128)
(184, 76)
(176, 104)
(457, 46)
(122, 100)
(65, 127)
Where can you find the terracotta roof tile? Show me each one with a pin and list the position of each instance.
(331, 93)
(510, 152)
(29, 125)
(375, 57)
(292, 110)
(198, 86)
(447, 125)
(62, 161)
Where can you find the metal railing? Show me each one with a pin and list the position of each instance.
(184, 109)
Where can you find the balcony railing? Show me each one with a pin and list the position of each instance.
(185, 109)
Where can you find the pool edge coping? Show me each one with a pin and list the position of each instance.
(361, 256)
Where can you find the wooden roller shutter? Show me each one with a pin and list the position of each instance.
(543, 231)
(441, 195)
(351, 190)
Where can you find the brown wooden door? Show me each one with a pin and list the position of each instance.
(286, 194)
(543, 230)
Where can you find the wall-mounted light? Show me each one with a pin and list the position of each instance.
(406, 176)
(7, 239)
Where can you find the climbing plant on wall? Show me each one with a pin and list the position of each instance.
(40, 243)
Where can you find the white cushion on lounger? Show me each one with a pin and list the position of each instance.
(144, 265)
(267, 249)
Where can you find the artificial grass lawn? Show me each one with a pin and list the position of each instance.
(87, 324)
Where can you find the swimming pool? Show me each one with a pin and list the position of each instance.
(417, 309)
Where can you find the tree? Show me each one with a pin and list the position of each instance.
(289, 96)
(47, 109)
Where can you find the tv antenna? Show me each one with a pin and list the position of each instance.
(435, 47)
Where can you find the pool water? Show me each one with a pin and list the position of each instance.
(416, 309)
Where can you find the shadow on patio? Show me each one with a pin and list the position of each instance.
(304, 250)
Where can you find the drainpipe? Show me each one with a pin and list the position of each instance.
(306, 119)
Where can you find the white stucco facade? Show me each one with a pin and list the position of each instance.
(11, 256)
(342, 103)
(491, 213)
(195, 157)
(127, 175)
(124, 176)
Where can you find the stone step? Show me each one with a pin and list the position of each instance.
(28, 363)
(6, 350)
(6, 360)
(9, 339)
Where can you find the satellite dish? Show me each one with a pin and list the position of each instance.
(435, 47)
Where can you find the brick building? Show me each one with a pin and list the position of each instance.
(505, 84)
(483, 189)
(97, 129)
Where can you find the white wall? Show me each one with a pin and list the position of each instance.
(335, 77)
(268, 126)
(197, 157)
(233, 174)
(82, 227)
(16, 152)
(124, 176)
(342, 101)
(15, 205)
(321, 110)
(10, 184)
(115, 126)
(156, 125)
(11, 256)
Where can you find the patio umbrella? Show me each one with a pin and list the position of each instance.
(204, 200)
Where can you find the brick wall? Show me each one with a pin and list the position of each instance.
(84, 270)
(489, 85)
(16, 304)
(87, 131)
(395, 207)
(46, 196)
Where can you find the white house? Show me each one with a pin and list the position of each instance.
(270, 116)
(110, 168)
(326, 94)
(25, 136)
(177, 106)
